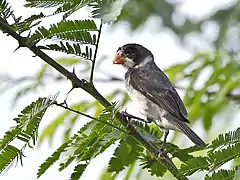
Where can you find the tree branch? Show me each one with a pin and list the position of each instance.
(89, 87)
(95, 53)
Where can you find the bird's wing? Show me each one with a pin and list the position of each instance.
(157, 87)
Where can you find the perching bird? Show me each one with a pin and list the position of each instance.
(157, 98)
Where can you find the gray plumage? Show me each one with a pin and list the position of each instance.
(155, 94)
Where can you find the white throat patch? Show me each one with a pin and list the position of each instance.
(129, 62)
(145, 62)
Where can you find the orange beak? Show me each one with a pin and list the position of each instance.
(119, 57)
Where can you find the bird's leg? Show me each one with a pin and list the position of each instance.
(129, 116)
(149, 120)
(166, 132)
(126, 115)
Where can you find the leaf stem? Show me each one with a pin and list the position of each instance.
(91, 117)
(95, 53)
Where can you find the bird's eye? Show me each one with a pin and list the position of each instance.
(128, 51)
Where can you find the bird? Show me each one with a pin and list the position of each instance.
(153, 92)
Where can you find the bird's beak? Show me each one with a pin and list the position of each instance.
(119, 57)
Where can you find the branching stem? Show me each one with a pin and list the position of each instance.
(93, 118)
(95, 53)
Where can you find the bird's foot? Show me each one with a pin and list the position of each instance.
(125, 113)
(127, 116)
(162, 153)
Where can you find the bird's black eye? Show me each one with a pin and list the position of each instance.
(128, 51)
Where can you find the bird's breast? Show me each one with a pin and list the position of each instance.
(145, 106)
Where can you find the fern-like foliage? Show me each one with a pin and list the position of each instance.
(53, 158)
(151, 133)
(222, 175)
(78, 37)
(194, 165)
(69, 7)
(222, 149)
(76, 49)
(100, 7)
(77, 31)
(5, 9)
(25, 131)
(67, 146)
(222, 156)
(107, 10)
(78, 170)
(26, 24)
(91, 140)
(152, 165)
(126, 153)
(232, 137)
(44, 3)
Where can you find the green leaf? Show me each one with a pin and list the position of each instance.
(53, 158)
(5, 9)
(222, 140)
(220, 157)
(222, 174)
(77, 31)
(25, 130)
(193, 165)
(151, 133)
(101, 137)
(8, 155)
(78, 170)
(27, 24)
(81, 136)
(61, 119)
(126, 153)
(152, 165)
(181, 154)
(89, 144)
(9, 137)
(43, 3)
(73, 48)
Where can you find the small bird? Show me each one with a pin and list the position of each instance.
(157, 98)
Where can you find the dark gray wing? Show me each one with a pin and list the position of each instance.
(156, 86)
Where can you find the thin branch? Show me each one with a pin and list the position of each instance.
(89, 88)
(95, 53)
(93, 118)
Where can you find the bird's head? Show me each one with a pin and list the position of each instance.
(133, 55)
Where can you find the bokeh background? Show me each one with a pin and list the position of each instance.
(195, 42)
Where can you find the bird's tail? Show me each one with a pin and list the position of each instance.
(191, 134)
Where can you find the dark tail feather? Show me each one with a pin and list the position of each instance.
(191, 135)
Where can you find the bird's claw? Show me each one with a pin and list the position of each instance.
(162, 153)
(126, 115)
